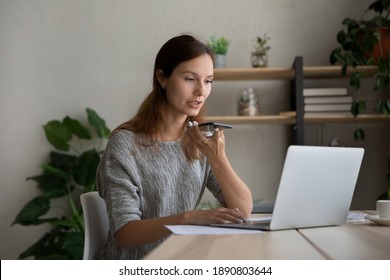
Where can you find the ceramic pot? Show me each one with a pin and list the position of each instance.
(220, 61)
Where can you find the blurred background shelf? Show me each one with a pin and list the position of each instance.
(289, 118)
(280, 73)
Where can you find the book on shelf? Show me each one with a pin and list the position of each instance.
(325, 91)
(293, 114)
(328, 114)
(328, 100)
(327, 107)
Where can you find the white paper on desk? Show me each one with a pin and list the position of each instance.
(258, 219)
(207, 230)
(356, 217)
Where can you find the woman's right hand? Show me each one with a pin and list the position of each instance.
(150, 230)
(214, 216)
(213, 147)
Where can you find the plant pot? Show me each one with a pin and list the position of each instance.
(220, 61)
(259, 59)
(382, 49)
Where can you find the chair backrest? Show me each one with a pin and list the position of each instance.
(95, 224)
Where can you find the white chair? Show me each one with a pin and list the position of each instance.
(95, 224)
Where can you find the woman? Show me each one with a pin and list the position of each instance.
(157, 165)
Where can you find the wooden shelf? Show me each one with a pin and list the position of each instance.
(267, 73)
(289, 118)
(326, 72)
(366, 118)
(264, 119)
(297, 73)
(279, 73)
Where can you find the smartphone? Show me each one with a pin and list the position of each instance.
(208, 127)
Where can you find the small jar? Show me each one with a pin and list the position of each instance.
(259, 59)
(248, 103)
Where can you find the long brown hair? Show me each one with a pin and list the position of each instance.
(151, 112)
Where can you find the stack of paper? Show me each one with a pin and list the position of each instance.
(327, 100)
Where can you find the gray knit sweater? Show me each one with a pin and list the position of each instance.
(140, 182)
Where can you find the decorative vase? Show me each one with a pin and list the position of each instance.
(259, 59)
(248, 103)
(220, 61)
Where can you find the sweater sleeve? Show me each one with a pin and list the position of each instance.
(213, 186)
(115, 183)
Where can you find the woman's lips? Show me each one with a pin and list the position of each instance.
(196, 104)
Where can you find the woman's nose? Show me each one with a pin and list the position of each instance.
(200, 89)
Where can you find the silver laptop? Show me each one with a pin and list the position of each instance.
(315, 189)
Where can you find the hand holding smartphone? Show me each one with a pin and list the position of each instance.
(208, 127)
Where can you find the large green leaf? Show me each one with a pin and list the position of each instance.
(36, 248)
(33, 210)
(77, 128)
(98, 123)
(56, 171)
(74, 244)
(63, 223)
(49, 247)
(64, 162)
(85, 173)
(54, 247)
(52, 185)
(58, 135)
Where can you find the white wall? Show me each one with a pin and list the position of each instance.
(58, 57)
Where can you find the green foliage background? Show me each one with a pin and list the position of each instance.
(71, 170)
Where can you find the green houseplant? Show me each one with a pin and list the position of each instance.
(260, 53)
(365, 43)
(70, 171)
(220, 47)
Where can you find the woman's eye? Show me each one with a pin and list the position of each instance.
(190, 79)
(209, 81)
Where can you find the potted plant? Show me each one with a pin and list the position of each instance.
(260, 54)
(69, 172)
(220, 47)
(366, 42)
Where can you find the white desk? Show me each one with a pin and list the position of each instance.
(349, 241)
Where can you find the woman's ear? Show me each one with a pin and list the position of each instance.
(160, 78)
